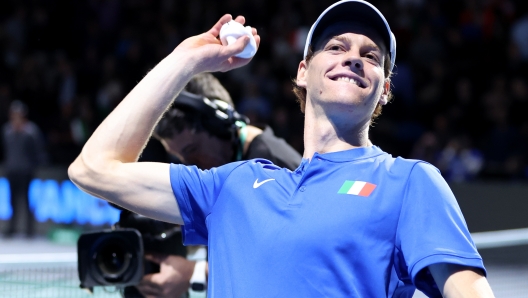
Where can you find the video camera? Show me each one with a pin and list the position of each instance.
(115, 257)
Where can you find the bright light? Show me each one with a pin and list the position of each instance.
(61, 203)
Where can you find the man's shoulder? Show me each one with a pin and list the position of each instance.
(409, 164)
(255, 163)
(32, 128)
(406, 167)
(421, 166)
(260, 163)
(256, 166)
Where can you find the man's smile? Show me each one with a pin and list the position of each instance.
(350, 78)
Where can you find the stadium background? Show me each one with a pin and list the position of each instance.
(460, 86)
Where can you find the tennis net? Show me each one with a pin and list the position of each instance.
(46, 275)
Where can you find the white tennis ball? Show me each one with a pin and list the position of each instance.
(231, 31)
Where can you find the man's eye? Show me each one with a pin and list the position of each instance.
(334, 48)
(372, 57)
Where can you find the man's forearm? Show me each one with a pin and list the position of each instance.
(124, 133)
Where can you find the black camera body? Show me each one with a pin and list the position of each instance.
(110, 257)
(115, 257)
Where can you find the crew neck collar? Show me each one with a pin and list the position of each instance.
(350, 154)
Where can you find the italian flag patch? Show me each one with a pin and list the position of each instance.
(357, 188)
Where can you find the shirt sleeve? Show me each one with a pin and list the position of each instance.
(432, 229)
(196, 192)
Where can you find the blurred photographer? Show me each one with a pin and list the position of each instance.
(24, 152)
(202, 128)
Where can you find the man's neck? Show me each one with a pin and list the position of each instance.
(324, 135)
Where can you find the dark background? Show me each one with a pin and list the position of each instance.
(461, 90)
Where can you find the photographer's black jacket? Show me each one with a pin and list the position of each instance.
(274, 149)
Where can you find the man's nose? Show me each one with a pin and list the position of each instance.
(353, 61)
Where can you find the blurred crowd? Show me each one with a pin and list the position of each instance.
(460, 82)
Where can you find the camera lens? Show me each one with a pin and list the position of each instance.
(110, 257)
(113, 259)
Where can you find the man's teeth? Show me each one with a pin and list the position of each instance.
(347, 79)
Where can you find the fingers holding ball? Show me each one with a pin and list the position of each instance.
(233, 30)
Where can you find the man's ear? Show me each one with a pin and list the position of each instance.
(385, 95)
(301, 74)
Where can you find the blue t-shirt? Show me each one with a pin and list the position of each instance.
(355, 223)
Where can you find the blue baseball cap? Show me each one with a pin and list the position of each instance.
(358, 11)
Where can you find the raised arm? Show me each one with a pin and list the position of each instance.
(107, 166)
(460, 281)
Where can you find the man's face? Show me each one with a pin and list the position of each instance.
(17, 119)
(199, 148)
(346, 72)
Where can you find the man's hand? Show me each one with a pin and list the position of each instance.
(208, 52)
(172, 280)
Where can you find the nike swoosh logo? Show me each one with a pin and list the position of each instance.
(258, 184)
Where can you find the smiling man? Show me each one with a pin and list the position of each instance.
(350, 221)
